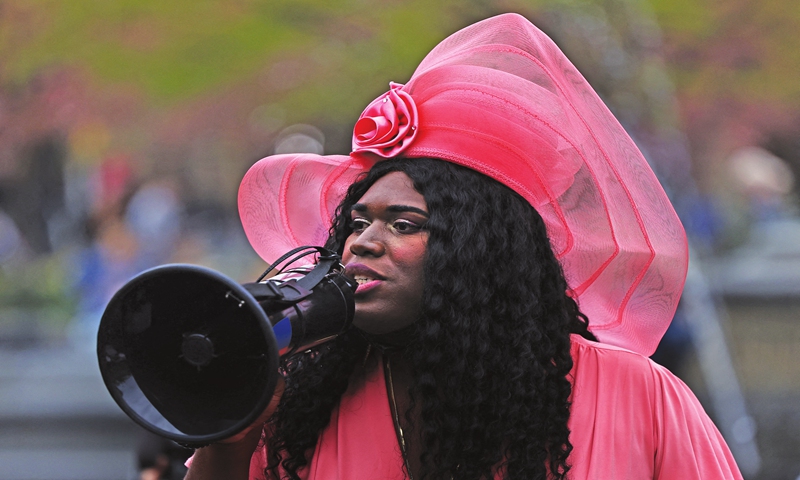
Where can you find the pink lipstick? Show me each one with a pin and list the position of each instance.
(366, 277)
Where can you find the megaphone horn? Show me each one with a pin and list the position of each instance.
(193, 356)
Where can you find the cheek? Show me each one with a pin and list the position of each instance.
(412, 256)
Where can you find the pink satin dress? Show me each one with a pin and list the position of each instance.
(631, 419)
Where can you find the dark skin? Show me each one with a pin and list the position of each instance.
(386, 254)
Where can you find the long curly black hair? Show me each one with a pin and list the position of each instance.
(491, 351)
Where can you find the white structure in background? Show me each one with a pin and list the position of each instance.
(761, 172)
(300, 138)
(768, 264)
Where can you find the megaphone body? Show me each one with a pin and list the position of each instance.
(193, 356)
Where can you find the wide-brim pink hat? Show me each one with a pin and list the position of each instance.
(499, 97)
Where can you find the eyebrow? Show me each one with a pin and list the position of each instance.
(360, 207)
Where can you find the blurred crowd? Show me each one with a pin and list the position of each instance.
(72, 236)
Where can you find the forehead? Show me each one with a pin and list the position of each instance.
(395, 188)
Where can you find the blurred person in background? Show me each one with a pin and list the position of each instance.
(516, 259)
(132, 226)
(33, 193)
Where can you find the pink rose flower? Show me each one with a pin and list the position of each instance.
(388, 124)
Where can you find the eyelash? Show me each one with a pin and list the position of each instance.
(354, 223)
(358, 225)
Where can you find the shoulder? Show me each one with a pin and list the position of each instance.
(582, 346)
(594, 358)
(627, 391)
(625, 370)
(604, 376)
(624, 399)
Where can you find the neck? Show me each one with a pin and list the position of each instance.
(392, 341)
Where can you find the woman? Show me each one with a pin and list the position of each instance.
(495, 166)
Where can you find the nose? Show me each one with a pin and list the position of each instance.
(369, 242)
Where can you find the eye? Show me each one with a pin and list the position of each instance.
(405, 226)
(358, 225)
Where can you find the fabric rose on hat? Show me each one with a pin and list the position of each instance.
(388, 124)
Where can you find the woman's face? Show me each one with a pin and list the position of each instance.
(386, 253)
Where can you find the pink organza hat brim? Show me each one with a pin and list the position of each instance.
(499, 97)
(286, 201)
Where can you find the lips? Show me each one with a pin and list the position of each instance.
(366, 277)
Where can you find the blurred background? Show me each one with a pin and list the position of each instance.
(126, 126)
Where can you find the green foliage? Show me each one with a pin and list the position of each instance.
(39, 284)
(172, 50)
(184, 48)
(688, 18)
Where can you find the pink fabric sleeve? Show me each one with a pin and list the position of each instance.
(632, 418)
(689, 445)
(258, 463)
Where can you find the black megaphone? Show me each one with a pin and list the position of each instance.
(193, 356)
